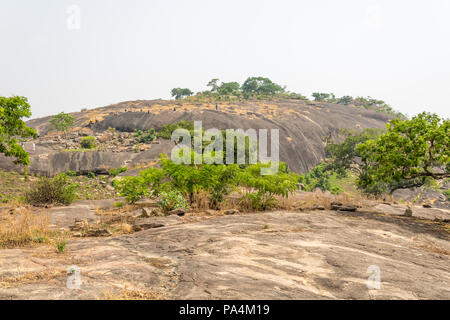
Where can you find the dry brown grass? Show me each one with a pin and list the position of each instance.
(430, 246)
(132, 294)
(24, 227)
(31, 277)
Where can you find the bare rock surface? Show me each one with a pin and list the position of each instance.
(277, 255)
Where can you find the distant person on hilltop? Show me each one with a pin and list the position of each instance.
(217, 107)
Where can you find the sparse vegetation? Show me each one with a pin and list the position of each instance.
(115, 172)
(88, 142)
(58, 190)
(24, 228)
(62, 122)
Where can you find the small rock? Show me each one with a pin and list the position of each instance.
(427, 205)
(408, 212)
(231, 212)
(146, 212)
(98, 233)
(337, 206)
(145, 226)
(318, 207)
(179, 212)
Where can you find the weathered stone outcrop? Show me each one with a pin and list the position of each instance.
(302, 125)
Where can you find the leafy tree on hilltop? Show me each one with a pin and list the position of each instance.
(213, 84)
(227, 88)
(180, 93)
(12, 110)
(62, 122)
(322, 96)
(260, 86)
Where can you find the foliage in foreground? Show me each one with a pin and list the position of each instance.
(172, 200)
(409, 153)
(57, 190)
(217, 181)
(12, 127)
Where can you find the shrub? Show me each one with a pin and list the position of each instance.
(57, 190)
(447, 194)
(172, 200)
(61, 245)
(71, 173)
(146, 137)
(88, 142)
(115, 172)
(134, 188)
(91, 175)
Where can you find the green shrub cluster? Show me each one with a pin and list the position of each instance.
(58, 190)
(217, 181)
(88, 142)
(145, 136)
(319, 177)
(172, 200)
(115, 172)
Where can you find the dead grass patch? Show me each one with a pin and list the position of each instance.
(31, 277)
(22, 227)
(430, 246)
(132, 294)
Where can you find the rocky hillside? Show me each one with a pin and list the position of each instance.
(302, 124)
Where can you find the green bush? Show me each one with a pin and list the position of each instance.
(88, 142)
(264, 188)
(57, 190)
(172, 200)
(71, 173)
(447, 194)
(148, 183)
(115, 172)
(91, 175)
(216, 180)
(146, 137)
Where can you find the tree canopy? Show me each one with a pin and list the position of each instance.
(408, 153)
(260, 86)
(62, 121)
(12, 127)
(180, 93)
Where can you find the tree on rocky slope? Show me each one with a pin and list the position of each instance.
(12, 127)
(62, 122)
(409, 153)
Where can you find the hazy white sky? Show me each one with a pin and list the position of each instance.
(397, 51)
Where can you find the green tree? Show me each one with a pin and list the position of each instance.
(345, 100)
(409, 153)
(62, 122)
(260, 86)
(343, 156)
(12, 127)
(227, 88)
(320, 96)
(180, 93)
(214, 85)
